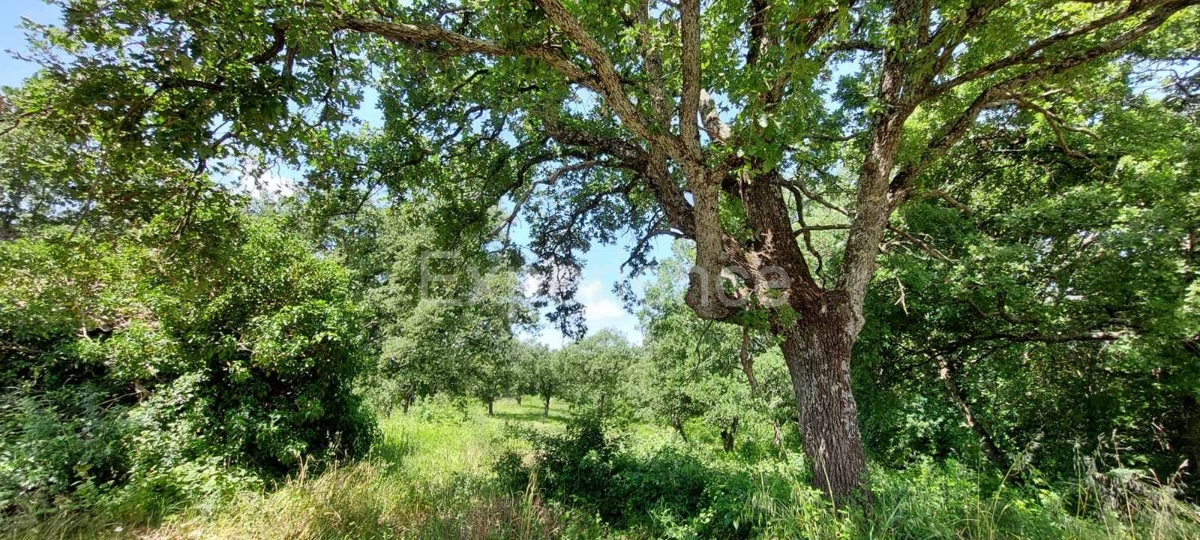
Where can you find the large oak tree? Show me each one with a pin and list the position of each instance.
(718, 121)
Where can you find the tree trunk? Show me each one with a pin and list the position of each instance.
(729, 434)
(546, 407)
(490, 402)
(748, 361)
(678, 425)
(948, 372)
(817, 353)
(518, 399)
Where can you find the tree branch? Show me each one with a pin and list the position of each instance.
(805, 229)
(645, 241)
(278, 41)
(607, 80)
(440, 41)
(689, 100)
(1030, 55)
(902, 184)
(1057, 125)
(939, 194)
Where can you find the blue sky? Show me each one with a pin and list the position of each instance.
(12, 71)
(601, 272)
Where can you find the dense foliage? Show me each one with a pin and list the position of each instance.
(1062, 320)
(131, 374)
(923, 252)
(429, 302)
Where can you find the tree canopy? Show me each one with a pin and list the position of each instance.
(791, 143)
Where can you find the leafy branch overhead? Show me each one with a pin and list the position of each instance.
(723, 122)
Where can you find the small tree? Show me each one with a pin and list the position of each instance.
(127, 367)
(593, 370)
(694, 368)
(539, 372)
(493, 375)
(447, 317)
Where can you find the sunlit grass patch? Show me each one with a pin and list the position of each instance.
(432, 474)
(427, 477)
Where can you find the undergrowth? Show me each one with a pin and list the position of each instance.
(444, 472)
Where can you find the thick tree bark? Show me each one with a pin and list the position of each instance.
(817, 353)
(871, 215)
(490, 407)
(546, 407)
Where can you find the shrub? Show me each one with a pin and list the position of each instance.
(135, 380)
(650, 485)
(584, 467)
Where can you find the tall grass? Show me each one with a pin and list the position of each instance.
(430, 476)
(947, 501)
(427, 478)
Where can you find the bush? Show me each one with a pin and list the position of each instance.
(145, 383)
(586, 468)
(652, 486)
(48, 448)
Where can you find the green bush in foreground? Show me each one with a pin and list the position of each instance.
(657, 487)
(428, 476)
(138, 382)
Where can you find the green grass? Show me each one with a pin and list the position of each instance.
(430, 477)
(426, 478)
(530, 411)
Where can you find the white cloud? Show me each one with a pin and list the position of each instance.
(598, 304)
(560, 277)
(601, 310)
(551, 338)
(266, 184)
(529, 285)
